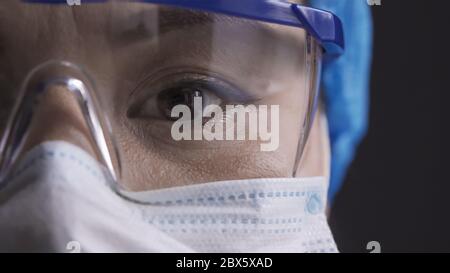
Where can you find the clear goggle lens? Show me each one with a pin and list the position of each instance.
(161, 96)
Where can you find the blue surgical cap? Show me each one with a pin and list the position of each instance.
(345, 83)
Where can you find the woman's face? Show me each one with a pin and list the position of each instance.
(145, 59)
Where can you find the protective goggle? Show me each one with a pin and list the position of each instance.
(166, 91)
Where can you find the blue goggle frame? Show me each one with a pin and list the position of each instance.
(324, 26)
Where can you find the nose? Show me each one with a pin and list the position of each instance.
(58, 117)
(58, 102)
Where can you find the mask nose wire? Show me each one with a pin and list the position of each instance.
(73, 79)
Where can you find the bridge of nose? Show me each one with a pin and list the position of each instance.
(58, 116)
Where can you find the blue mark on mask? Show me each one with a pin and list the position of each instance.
(314, 203)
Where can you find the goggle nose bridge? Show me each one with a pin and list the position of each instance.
(21, 118)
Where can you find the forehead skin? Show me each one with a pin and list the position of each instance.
(87, 18)
(62, 29)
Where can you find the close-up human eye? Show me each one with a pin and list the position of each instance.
(157, 99)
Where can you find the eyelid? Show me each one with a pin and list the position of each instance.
(170, 78)
(228, 93)
(225, 91)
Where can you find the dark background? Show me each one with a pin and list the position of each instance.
(397, 190)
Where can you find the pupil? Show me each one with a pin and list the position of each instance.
(168, 99)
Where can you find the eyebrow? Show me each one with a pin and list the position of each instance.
(159, 21)
(173, 17)
(170, 19)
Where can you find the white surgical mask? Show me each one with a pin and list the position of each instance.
(58, 200)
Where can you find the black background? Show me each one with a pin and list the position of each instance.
(397, 190)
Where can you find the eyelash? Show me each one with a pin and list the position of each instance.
(228, 93)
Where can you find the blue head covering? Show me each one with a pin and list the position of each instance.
(345, 84)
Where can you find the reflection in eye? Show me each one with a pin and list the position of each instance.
(211, 90)
(185, 95)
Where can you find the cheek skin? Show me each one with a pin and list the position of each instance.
(152, 165)
(316, 157)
